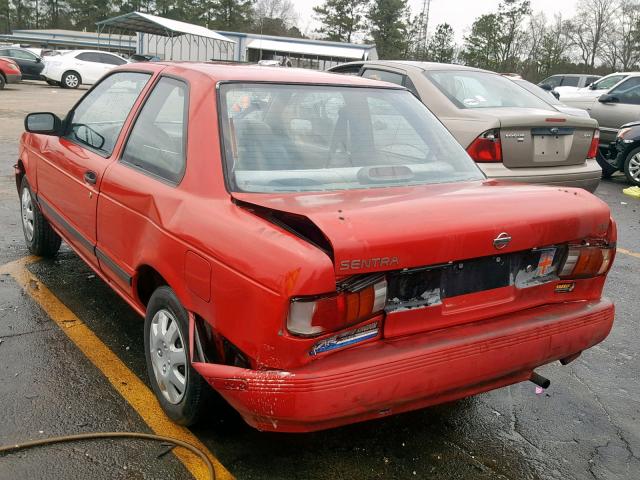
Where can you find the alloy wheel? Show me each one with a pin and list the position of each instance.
(168, 356)
(634, 167)
(26, 207)
(71, 81)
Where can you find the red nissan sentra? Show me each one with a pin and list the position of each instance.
(317, 248)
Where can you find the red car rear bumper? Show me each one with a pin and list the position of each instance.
(391, 376)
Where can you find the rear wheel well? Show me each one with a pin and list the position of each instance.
(4, 77)
(147, 281)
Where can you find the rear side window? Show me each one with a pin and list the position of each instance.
(347, 69)
(384, 76)
(570, 81)
(111, 59)
(552, 81)
(157, 144)
(90, 57)
(98, 118)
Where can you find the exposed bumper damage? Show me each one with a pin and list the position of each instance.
(392, 376)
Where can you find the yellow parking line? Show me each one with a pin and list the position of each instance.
(628, 252)
(128, 385)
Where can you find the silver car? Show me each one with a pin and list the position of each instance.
(511, 133)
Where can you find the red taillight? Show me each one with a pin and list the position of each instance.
(487, 147)
(584, 261)
(314, 316)
(593, 148)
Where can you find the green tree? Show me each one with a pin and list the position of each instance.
(340, 19)
(84, 14)
(481, 45)
(497, 39)
(234, 15)
(441, 46)
(388, 27)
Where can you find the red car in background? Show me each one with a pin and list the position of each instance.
(317, 248)
(9, 72)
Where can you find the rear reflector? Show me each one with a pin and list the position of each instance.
(586, 261)
(595, 141)
(486, 148)
(555, 120)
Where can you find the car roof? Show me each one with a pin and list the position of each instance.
(424, 66)
(253, 73)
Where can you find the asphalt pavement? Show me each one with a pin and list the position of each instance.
(585, 426)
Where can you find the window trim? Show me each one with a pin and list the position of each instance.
(68, 120)
(185, 132)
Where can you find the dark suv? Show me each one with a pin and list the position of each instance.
(30, 64)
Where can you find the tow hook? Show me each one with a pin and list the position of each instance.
(539, 380)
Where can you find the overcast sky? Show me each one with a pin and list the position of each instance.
(458, 13)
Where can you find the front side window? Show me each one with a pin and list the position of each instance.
(292, 138)
(23, 55)
(628, 91)
(97, 120)
(471, 89)
(608, 82)
(158, 138)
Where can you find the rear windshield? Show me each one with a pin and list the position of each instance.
(281, 138)
(469, 89)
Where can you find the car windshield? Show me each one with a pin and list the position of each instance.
(292, 138)
(471, 89)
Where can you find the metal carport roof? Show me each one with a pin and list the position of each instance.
(146, 23)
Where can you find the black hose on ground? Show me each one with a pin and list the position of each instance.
(102, 435)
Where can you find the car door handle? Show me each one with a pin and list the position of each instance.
(90, 177)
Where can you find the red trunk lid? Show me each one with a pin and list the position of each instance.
(393, 228)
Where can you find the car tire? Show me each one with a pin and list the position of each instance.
(608, 168)
(166, 328)
(2, 81)
(41, 238)
(632, 167)
(70, 79)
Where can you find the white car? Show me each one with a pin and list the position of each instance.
(79, 67)
(597, 88)
(551, 99)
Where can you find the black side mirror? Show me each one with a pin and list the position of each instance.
(593, 86)
(546, 86)
(38, 60)
(44, 123)
(606, 98)
(555, 94)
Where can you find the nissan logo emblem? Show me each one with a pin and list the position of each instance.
(502, 240)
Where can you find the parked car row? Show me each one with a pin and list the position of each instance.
(68, 68)
(319, 248)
